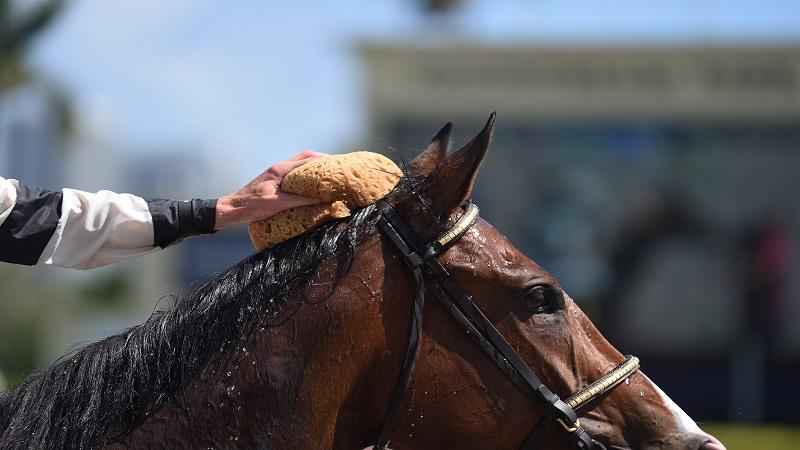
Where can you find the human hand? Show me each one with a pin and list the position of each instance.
(262, 197)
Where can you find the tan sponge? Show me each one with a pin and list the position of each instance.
(345, 182)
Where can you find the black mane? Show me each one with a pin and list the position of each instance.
(103, 391)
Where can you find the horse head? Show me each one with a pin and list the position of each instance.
(458, 397)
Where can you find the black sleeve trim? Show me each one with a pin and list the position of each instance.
(174, 219)
(30, 225)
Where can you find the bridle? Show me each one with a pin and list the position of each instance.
(421, 259)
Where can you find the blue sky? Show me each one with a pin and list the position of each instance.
(247, 83)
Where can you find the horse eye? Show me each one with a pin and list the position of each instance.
(542, 299)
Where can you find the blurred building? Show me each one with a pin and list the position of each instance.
(30, 147)
(47, 311)
(632, 174)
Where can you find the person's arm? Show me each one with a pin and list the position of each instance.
(262, 198)
(82, 230)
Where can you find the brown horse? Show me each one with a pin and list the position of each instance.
(301, 346)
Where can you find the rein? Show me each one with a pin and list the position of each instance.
(421, 259)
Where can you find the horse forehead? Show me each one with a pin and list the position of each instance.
(483, 240)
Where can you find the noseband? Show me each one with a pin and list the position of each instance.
(420, 257)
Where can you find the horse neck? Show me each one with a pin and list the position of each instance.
(321, 378)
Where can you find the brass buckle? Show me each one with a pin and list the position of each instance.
(569, 429)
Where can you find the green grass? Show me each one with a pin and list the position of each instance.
(755, 437)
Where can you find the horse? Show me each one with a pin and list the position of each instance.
(306, 345)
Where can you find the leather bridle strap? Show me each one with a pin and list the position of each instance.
(461, 307)
(495, 345)
(449, 293)
(414, 262)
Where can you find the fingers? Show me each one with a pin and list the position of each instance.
(279, 170)
(306, 154)
(282, 168)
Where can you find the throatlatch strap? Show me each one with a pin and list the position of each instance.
(415, 264)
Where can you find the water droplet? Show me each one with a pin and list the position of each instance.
(627, 381)
(228, 373)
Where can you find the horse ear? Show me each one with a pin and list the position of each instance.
(451, 183)
(435, 154)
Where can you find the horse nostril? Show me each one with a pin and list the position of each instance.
(712, 444)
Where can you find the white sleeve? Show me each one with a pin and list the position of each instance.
(97, 229)
(8, 197)
(82, 230)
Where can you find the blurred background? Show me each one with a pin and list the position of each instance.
(646, 153)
